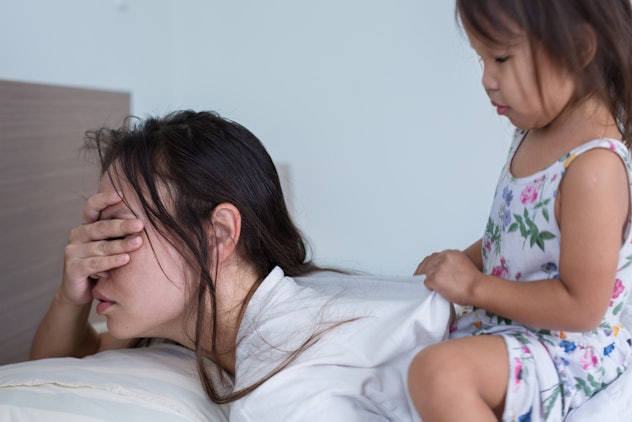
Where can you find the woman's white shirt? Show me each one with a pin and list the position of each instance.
(362, 331)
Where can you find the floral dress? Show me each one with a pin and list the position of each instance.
(551, 371)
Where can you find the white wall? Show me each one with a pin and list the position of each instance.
(121, 45)
(375, 105)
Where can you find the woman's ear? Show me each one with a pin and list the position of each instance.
(225, 230)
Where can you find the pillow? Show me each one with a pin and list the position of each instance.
(157, 383)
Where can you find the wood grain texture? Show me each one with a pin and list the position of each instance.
(44, 180)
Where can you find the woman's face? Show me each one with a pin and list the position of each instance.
(148, 296)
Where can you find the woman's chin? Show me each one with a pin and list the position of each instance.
(122, 333)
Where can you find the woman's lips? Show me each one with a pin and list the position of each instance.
(104, 302)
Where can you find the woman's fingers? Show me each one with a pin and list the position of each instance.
(97, 203)
(97, 246)
(105, 229)
(94, 267)
(85, 262)
(102, 248)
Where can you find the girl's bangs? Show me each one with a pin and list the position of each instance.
(493, 22)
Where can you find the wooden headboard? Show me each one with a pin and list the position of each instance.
(44, 180)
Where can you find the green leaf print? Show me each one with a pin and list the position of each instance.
(539, 238)
(499, 319)
(629, 261)
(545, 214)
(594, 384)
(495, 238)
(545, 211)
(617, 309)
(492, 232)
(588, 386)
(581, 384)
(522, 338)
(503, 320)
(550, 401)
(529, 230)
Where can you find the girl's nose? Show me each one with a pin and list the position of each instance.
(488, 80)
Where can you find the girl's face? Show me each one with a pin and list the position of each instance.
(148, 296)
(526, 87)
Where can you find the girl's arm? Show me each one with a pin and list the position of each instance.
(593, 211)
(65, 330)
(475, 253)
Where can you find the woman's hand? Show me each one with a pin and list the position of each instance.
(452, 274)
(96, 247)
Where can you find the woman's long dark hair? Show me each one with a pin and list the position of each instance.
(558, 26)
(181, 167)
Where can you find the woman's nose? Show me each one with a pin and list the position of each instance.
(102, 274)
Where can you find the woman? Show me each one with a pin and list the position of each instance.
(189, 239)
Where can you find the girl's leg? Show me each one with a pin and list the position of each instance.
(460, 379)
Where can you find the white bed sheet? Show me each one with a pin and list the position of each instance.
(613, 404)
(160, 383)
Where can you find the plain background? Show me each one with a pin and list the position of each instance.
(375, 107)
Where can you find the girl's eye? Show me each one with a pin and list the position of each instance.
(501, 59)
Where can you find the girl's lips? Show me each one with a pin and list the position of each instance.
(500, 109)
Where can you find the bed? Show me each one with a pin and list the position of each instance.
(160, 383)
(44, 124)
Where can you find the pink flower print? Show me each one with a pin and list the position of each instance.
(501, 270)
(488, 245)
(618, 289)
(518, 371)
(529, 194)
(588, 359)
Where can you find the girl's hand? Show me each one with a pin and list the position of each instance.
(452, 274)
(96, 247)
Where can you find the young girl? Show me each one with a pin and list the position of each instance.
(189, 239)
(543, 288)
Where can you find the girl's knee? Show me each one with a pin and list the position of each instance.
(430, 373)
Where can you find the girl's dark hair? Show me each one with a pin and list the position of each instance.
(559, 28)
(181, 167)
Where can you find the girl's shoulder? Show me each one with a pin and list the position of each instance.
(614, 145)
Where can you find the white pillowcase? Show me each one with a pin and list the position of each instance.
(157, 383)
